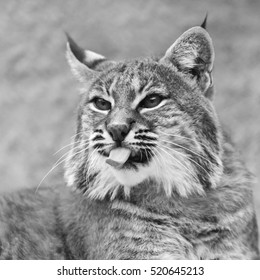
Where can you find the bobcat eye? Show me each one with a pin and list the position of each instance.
(151, 101)
(102, 104)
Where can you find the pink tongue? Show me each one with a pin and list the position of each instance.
(118, 157)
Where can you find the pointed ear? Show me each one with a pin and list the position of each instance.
(204, 23)
(192, 55)
(84, 64)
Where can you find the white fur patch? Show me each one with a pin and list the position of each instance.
(105, 183)
(131, 177)
(170, 171)
(91, 57)
(136, 84)
(69, 175)
(187, 60)
(94, 108)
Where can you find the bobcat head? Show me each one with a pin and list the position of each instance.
(146, 121)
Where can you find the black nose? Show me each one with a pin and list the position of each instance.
(118, 132)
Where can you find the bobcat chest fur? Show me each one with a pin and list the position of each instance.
(152, 174)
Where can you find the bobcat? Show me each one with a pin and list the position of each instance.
(152, 173)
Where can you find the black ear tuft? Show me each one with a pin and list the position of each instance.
(204, 23)
(76, 50)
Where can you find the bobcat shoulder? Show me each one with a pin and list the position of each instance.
(152, 174)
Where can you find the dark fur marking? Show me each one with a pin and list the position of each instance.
(209, 129)
(198, 69)
(143, 131)
(143, 156)
(98, 146)
(144, 144)
(203, 178)
(96, 62)
(209, 219)
(88, 180)
(129, 215)
(216, 233)
(121, 69)
(98, 137)
(209, 156)
(81, 177)
(144, 137)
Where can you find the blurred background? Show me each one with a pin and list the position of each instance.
(39, 97)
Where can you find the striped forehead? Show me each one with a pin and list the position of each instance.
(128, 84)
(124, 88)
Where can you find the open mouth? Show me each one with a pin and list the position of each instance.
(120, 158)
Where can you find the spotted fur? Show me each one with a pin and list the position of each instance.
(183, 193)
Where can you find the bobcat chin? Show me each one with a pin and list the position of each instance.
(151, 173)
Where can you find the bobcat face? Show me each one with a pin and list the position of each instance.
(122, 110)
(122, 117)
(146, 121)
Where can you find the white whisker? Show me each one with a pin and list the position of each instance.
(157, 163)
(56, 164)
(160, 147)
(173, 143)
(68, 146)
(90, 165)
(183, 137)
(76, 134)
(188, 158)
